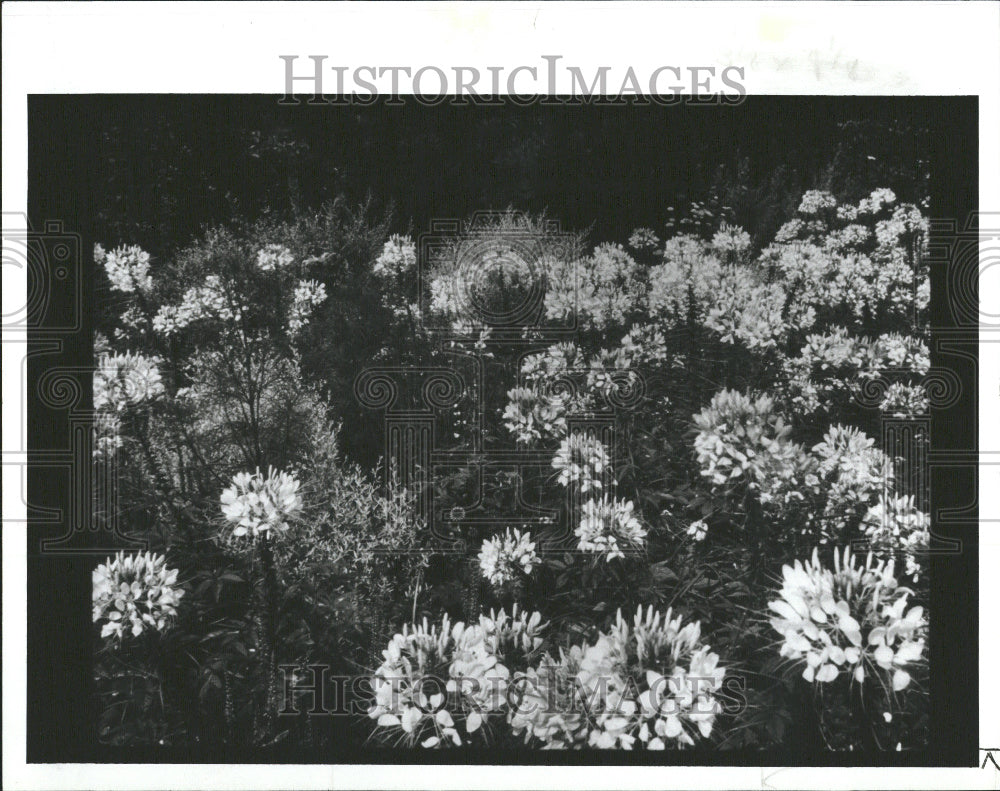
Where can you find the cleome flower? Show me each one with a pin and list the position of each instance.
(438, 685)
(133, 594)
(896, 525)
(852, 471)
(127, 268)
(124, 380)
(744, 441)
(649, 683)
(398, 255)
(256, 504)
(852, 620)
(308, 294)
(213, 300)
(501, 556)
(530, 416)
(274, 257)
(608, 527)
(581, 460)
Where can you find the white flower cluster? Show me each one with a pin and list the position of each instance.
(435, 678)
(308, 294)
(600, 291)
(852, 471)
(744, 441)
(133, 593)
(127, 268)
(257, 505)
(747, 312)
(501, 557)
(648, 684)
(581, 461)
(107, 435)
(274, 257)
(851, 260)
(399, 255)
(210, 300)
(815, 201)
(126, 380)
(894, 525)
(905, 400)
(731, 239)
(853, 619)
(643, 239)
(835, 366)
(608, 527)
(685, 282)
(530, 416)
(873, 204)
(551, 392)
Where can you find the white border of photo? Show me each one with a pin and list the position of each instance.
(802, 48)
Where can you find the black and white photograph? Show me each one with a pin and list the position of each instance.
(610, 428)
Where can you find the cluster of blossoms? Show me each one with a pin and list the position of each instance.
(257, 505)
(747, 312)
(399, 255)
(561, 382)
(581, 461)
(689, 276)
(133, 593)
(211, 300)
(107, 435)
(274, 257)
(647, 684)
(127, 268)
(852, 471)
(816, 201)
(502, 556)
(530, 416)
(436, 678)
(850, 259)
(643, 239)
(551, 393)
(731, 239)
(601, 291)
(744, 441)
(308, 294)
(895, 524)
(834, 368)
(124, 380)
(904, 400)
(853, 619)
(608, 527)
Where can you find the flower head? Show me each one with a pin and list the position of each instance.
(257, 505)
(853, 619)
(472, 661)
(124, 380)
(608, 527)
(645, 683)
(502, 556)
(127, 268)
(581, 460)
(274, 257)
(133, 594)
(308, 295)
(398, 255)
